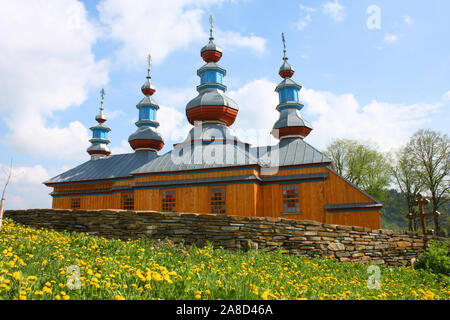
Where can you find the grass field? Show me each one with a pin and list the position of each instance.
(45, 264)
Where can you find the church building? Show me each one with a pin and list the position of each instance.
(212, 171)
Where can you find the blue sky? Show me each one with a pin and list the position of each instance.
(378, 84)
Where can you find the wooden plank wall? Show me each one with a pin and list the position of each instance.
(245, 199)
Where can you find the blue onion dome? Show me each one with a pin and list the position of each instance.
(290, 123)
(146, 138)
(99, 142)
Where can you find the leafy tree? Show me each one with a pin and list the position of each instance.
(362, 165)
(408, 179)
(431, 150)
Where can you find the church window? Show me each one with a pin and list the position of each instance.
(168, 201)
(128, 201)
(75, 203)
(218, 200)
(290, 199)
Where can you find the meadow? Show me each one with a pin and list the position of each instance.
(50, 265)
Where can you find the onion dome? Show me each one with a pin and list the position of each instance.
(211, 52)
(291, 123)
(211, 104)
(99, 142)
(146, 138)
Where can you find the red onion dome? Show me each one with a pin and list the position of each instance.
(211, 52)
(146, 138)
(286, 70)
(212, 105)
(147, 88)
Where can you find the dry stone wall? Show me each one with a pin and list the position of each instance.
(310, 238)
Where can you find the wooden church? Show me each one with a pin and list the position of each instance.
(212, 171)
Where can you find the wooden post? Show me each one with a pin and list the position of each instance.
(2, 208)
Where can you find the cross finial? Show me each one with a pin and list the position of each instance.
(211, 28)
(102, 92)
(284, 46)
(149, 59)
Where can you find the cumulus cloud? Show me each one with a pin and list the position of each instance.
(257, 101)
(47, 65)
(140, 29)
(333, 116)
(334, 10)
(25, 189)
(305, 19)
(232, 40)
(341, 116)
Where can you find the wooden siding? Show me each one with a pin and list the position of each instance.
(244, 199)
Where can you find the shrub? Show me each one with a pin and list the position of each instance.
(435, 259)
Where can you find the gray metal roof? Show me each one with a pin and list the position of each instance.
(211, 131)
(287, 82)
(220, 153)
(212, 97)
(194, 156)
(291, 118)
(147, 101)
(290, 151)
(146, 133)
(211, 65)
(114, 166)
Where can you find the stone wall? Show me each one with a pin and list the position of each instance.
(310, 238)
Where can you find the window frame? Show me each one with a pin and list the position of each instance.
(126, 206)
(165, 203)
(218, 206)
(288, 198)
(72, 200)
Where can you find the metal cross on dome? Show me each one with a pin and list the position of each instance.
(149, 59)
(284, 44)
(103, 93)
(212, 26)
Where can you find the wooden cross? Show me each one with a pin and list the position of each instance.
(421, 202)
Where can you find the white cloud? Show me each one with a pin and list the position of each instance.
(173, 124)
(407, 19)
(257, 101)
(306, 19)
(140, 28)
(124, 147)
(341, 116)
(446, 96)
(390, 38)
(335, 10)
(47, 65)
(25, 189)
(232, 40)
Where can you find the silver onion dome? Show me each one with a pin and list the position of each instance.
(212, 97)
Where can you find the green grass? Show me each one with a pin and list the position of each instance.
(34, 265)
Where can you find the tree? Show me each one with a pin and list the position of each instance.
(408, 179)
(431, 150)
(2, 203)
(362, 165)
